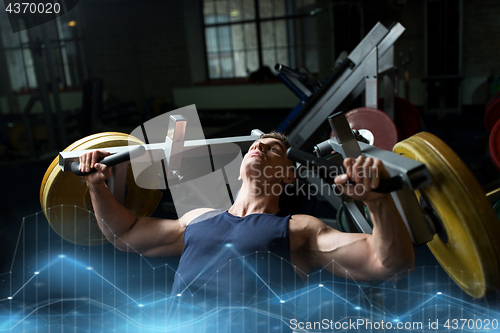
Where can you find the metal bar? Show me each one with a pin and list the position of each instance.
(358, 217)
(174, 144)
(344, 136)
(371, 92)
(411, 213)
(260, 20)
(372, 39)
(391, 37)
(329, 102)
(345, 143)
(413, 173)
(156, 151)
(55, 42)
(118, 181)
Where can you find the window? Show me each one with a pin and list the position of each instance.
(244, 35)
(65, 47)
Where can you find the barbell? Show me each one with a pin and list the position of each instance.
(466, 226)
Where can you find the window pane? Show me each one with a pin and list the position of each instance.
(306, 53)
(274, 42)
(266, 8)
(218, 39)
(233, 51)
(244, 36)
(211, 39)
(208, 11)
(214, 70)
(267, 34)
(282, 56)
(239, 39)
(253, 60)
(240, 60)
(279, 8)
(224, 38)
(248, 9)
(222, 11)
(227, 64)
(280, 33)
(272, 8)
(236, 10)
(269, 57)
(251, 36)
(220, 65)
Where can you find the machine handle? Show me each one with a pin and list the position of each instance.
(327, 169)
(110, 160)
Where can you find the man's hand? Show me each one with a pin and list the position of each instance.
(89, 161)
(365, 174)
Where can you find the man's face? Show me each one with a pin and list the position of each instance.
(266, 160)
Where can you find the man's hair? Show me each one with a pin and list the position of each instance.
(278, 136)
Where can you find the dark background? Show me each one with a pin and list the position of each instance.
(150, 57)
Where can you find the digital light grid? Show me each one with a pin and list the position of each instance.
(56, 286)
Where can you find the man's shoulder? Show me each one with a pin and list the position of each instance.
(304, 218)
(303, 229)
(305, 223)
(196, 214)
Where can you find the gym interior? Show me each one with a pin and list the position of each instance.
(393, 68)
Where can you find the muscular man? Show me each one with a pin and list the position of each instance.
(209, 241)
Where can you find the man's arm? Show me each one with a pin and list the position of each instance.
(386, 252)
(125, 230)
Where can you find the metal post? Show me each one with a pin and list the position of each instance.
(259, 39)
(389, 93)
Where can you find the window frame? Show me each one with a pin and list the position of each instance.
(257, 20)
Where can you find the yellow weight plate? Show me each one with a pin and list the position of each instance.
(471, 253)
(66, 202)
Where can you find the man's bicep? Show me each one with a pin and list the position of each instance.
(348, 255)
(154, 237)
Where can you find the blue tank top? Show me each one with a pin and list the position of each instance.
(243, 263)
